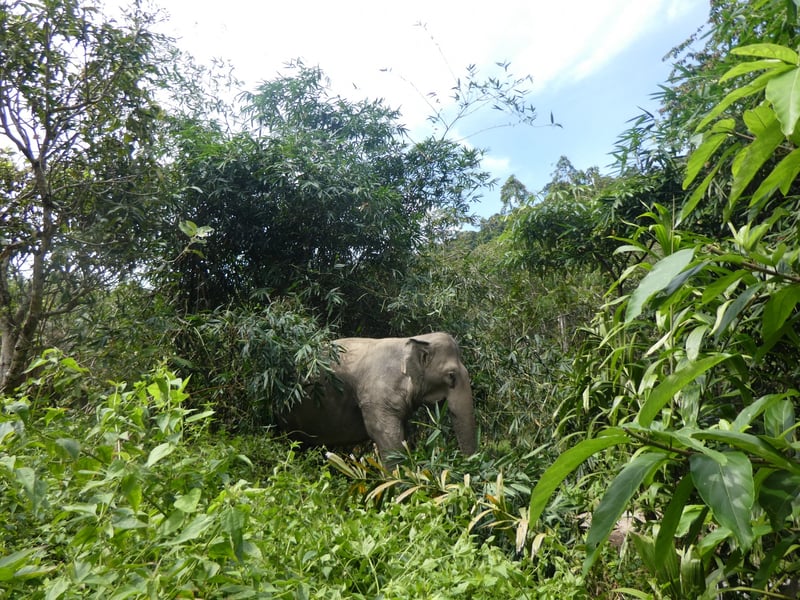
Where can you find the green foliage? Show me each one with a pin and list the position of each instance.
(579, 218)
(701, 360)
(137, 499)
(320, 193)
(78, 109)
(253, 362)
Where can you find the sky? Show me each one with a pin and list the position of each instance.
(595, 64)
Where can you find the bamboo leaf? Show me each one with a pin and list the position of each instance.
(672, 384)
(565, 464)
(616, 500)
(728, 491)
(659, 277)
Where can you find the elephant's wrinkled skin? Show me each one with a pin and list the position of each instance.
(381, 382)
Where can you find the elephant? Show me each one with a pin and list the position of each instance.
(377, 384)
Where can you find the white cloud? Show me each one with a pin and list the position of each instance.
(568, 45)
(352, 40)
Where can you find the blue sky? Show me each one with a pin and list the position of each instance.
(594, 62)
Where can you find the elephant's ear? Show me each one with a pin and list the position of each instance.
(416, 356)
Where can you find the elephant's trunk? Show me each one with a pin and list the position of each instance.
(462, 412)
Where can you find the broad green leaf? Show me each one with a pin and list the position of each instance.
(752, 410)
(659, 277)
(724, 285)
(665, 540)
(701, 189)
(762, 122)
(679, 440)
(634, 592)
(233, 522)
(772, 561)
(565, 464)
(124, 520)
(189, 228)
(781, 177)
(756, 65)
(172, 523)
(199, 416)
(616, 500)
(749, 443)
(755, 86)
(780, 305)
(728, 491)
(58, 587)
(729, 311)
(84, 508)
(71, 447)
(779, 418)
(188, 502)
(783, 92)
(704, 151)
(11, 563)
(694, 342)
(775, 51)
(159, 452)
(672, 384)
(35, 487)
(193, 530)
(778, 495)
(132, 489)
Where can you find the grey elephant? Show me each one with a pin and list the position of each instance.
(379, 383)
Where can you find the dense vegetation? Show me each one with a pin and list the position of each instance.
(172, 268)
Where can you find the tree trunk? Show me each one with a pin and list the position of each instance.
(19, 337)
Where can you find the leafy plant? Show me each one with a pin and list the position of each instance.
(706, 401)
(251, 363)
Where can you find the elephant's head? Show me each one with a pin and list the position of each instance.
(433, 362)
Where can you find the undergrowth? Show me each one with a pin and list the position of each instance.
(119, 491)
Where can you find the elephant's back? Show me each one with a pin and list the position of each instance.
(354, 349)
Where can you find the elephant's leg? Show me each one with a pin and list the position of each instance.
(386, 430)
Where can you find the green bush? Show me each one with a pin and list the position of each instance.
(250, 362)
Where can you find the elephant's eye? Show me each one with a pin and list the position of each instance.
(451, 378)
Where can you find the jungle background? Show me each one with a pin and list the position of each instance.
(173, 266)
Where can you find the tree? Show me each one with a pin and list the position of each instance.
(574, 220)
(77, 105)
(321, 193)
